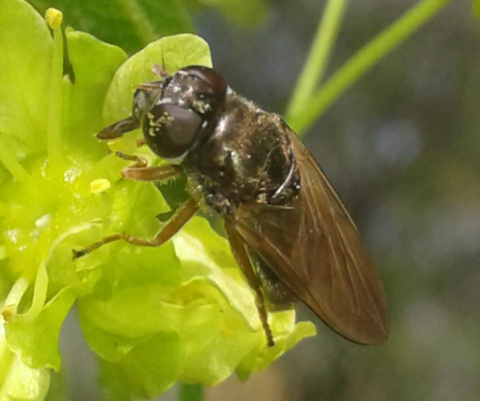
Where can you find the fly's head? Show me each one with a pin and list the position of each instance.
(179, 112)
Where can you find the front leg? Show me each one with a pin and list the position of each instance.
(140, 172)
(116, 130)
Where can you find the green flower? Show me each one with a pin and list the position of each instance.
(180, 312)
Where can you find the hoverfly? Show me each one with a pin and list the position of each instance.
(288, 230)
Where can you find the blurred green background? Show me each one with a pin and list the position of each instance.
(402, 148)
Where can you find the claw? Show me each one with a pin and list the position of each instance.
(77, 254)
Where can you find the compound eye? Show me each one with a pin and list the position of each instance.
(214, 80)
(170, 130)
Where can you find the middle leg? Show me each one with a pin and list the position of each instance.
(181, 216)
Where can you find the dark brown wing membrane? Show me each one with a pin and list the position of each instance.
(313, 245)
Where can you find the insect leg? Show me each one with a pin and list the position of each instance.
(153, 174)
(140, 161)
(181, 216)
(139, 171)
(116, 130)
(241, 256)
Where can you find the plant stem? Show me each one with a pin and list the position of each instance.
(366, 57)
(319, 54)
(190, 392)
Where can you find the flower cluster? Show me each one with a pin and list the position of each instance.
(180, 312)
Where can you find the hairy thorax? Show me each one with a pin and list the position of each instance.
(248, 158)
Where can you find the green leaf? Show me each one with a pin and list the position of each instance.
(152, 366)
(234, 337)
(24, 335)
(147, 370)
(147, 201)
(257, 362)
(58, 388)
(26, 54)
(93, 63)
(208, 264)
(108, 346)
(22, 383)
(112, 386)
(46, 208)
(131, 24)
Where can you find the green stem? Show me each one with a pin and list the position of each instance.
(190, 392)
(366, 57)
(318, 56)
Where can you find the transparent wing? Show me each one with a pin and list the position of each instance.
(313, 245)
